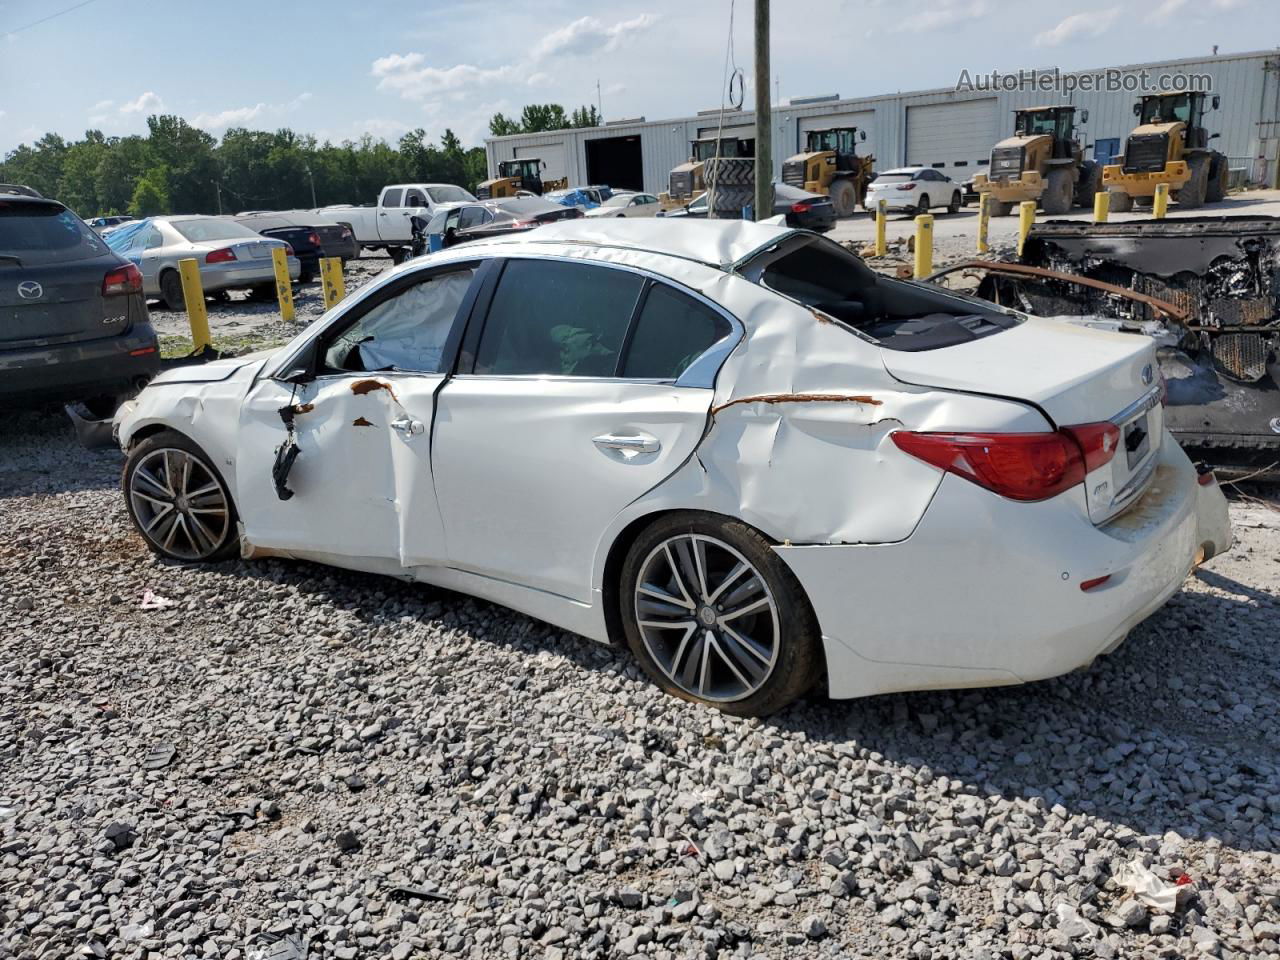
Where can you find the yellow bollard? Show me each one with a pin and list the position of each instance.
(924, 246)
(193, 295)
(1026, 217)
(331, 280)
(284, 289)
(882, 211)
(1101, 206)
(984, 221)
(1160, 202)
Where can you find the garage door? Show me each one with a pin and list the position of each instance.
(552, 154)
(744, 131)
(862, 119)
(952, 137)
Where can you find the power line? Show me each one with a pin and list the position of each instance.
(52, 16)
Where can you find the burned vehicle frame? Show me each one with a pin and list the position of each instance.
(1206, 288)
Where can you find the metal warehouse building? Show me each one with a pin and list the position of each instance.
(951, 130)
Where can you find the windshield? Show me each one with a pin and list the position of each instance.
(449, 194)
(1036, 124)
(35, 233)
(1167, 110)
(210, 229)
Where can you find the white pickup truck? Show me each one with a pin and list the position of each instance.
(386, 226)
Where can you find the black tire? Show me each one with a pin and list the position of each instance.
(999, 208)
(398, 255)
(1193, 192)
(795, 652)
(1216, 190)
(1121, 202)
(844, 198)
(263, 291)
(922, 205)
(955, 204)
(171, 291)
(154, 466)
(1056, 198)
(1089, 184)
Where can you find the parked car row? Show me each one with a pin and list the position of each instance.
(457, 223)
(801, 209)
(914, 190)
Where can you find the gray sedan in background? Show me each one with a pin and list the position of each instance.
(230, 256)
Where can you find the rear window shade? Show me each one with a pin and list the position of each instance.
(45, 233)
(672, 331)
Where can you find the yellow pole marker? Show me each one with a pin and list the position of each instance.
(1160, 203)
(984, 221)
(331, 279)
(882, 209)
(197, 315)
(1026, 217)
(1101, 206)
(284, 289)
(924, 246)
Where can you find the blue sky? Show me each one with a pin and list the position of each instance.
(339, 68)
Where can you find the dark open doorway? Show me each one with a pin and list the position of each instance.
(616, 162)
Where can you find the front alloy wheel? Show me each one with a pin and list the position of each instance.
(177, 501)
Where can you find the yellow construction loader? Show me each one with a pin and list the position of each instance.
(830, 165)
(687, 182)
(1043, 161)
(516, 176)
(1170, 145)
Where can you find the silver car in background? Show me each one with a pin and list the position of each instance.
(230, 256)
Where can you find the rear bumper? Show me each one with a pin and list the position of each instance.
(242, 273)
(74, 371)
(986, 591)
(1175, 173)
(894, 202)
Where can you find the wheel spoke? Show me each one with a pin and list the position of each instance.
(206, 490)
(752, 607)
(700, 568)
(668, 624)
(729, 662)
(684, 643)
(145, 475)
(677, 575)
(707, 641)
(732, 576)
(739, 595)
(746, 643)
(649, 590)
(165, 508)
(693, 662)
(168, 532)
(202, 533)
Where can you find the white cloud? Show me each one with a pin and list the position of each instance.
(406, 75)
(1093, 23)
(588, 35)
(1168, 9)
(235, 116)
(937, 17)
(146, 103)
(538, 79)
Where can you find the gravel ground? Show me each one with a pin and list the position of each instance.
(296, 761)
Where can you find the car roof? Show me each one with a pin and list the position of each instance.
(717, 243)
(903, 170)
(25, 200)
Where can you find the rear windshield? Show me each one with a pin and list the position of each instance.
(198, 231)
(893, 178)
(897, 315)
(36, 233)
(449, 194)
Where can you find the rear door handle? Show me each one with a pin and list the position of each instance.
(628, 445)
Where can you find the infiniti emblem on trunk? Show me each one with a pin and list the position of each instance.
(1147, 374)
(30, 290)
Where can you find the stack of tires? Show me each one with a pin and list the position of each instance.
(731, 184)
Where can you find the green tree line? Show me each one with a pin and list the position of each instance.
(178, 168)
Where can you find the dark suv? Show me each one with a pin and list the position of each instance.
(73, 322)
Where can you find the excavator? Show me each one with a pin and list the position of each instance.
(829, 165)
(516, 176)
(1042, 161)
(1170, 145)
(687, 182)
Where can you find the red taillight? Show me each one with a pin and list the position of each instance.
(124, 280)
(1020, 466)
(313, 239)
(288, 249)
(906, 186)
(1087, 585)
(801, 207)
(142, 351)
(225, 255)
(1098, 441)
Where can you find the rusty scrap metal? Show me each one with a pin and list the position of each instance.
(800, 398)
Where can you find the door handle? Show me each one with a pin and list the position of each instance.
(407, 427)
(628, 446)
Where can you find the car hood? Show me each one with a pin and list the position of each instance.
(216, 370)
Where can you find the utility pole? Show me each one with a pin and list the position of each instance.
(599, 101)
(763, 204)
(312, 178)
(217, 186)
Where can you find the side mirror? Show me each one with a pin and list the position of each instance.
(303, 369)
(1084, 116)
(1217, 101)
(1137, 109)
(862, 134)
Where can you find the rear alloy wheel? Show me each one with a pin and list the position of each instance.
(177, 501)
(954, 205)
(171, 291)
(923, 205)
(715, 616)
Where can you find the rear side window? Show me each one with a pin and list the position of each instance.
(672, 331)
(391, 198)
(45, 233)
(557, 319)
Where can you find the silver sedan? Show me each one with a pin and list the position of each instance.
(230, 256)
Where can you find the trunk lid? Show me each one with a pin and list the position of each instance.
(1076, 376)
(62, 303)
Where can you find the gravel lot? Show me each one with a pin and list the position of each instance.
(296, 761)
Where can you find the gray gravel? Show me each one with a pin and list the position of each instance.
(295, 761)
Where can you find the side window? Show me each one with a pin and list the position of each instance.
(406, 331)
(154, 239)
(560, 319)
(471, 217)
(672, 331)
(391, 198)
(414, 197)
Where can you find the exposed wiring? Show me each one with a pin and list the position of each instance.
(732, 73)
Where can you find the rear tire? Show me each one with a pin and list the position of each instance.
(955, 204)
(1193, 192)
(171, 291)
(1057, 192)
(398, 255)
(1089, 183)
(1121, 202)
(999, 208)
(922, 205)
(761, 649)
(843, 197)
(178, 501)
(1216, 190)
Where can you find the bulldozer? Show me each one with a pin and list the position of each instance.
(523, 175)
(1042, 161)
(1170, 145)
(687, 182)
(829, 165)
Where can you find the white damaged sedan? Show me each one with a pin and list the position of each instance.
(730, 447)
